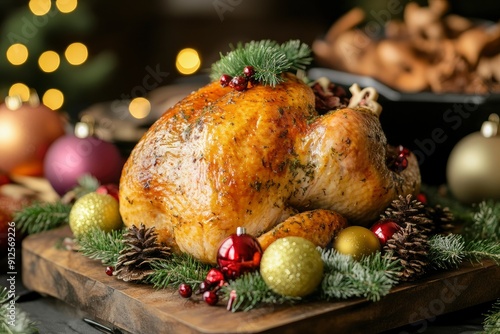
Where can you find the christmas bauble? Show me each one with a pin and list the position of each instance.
(356, 241)
(384, 229)
(26, 132)
(238, 254)
(71, 157)
(292, 266)
(472, 168)
(92, 211)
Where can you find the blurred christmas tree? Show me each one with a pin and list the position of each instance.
(43, 46)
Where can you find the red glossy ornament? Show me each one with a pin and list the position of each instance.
(238, 254)
(384, 230)
(71, 157)
(26, 133)
(185, 290)
(210, 297)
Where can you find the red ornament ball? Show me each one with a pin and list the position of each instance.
(384, 230)
(185, 290)
(422, 198)
(238, 254)
(70, 157)
(210, 297)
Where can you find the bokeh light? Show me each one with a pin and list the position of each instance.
(139, 107)
(39, 7)
(49, 61)
(17, 54)
(76, 53)
(20, 90)
(53, 98)
(66, 6)
(188, 61)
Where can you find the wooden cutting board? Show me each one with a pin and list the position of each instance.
(141, 309)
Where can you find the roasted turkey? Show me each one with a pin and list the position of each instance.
(263, 159)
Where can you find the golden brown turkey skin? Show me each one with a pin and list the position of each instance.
(220, 159)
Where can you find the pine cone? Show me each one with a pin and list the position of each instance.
(410, 246)
(442, 219)
(142, 248)
(409, 211)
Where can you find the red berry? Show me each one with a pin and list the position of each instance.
(210, 297)
(225, 79)
(109, 271)
(249, 71)
(239, 83)
(401, 163)
(403, 151)
(109, 189)
(203, 287)
(422, 198)
(214, 276)
(185, 290)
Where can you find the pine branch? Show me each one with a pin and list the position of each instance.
(179, 268)
(491, 323)
(446, 252)
(461, 212)
(103, 246)
(22, 323)
(41, 217)
(372, 277)
(268, 58)
(485, 223)
(251, 291)
(478, 250)
(450, 251)
(86, 184)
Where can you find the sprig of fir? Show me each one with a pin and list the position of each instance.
(22, 323)
(268, 58)
(448, 252)
(251, 291)
(101, 245)
(177, 269)
(41, 217)
(491, 322)
(372, 277)
(485, 223)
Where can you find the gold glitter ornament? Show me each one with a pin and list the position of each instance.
(94, 210)
(292, 266)
(356, 241)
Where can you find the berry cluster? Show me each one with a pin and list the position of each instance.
(239, 82)
(208, 288)
(398, 160)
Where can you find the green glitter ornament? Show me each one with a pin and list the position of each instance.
(94, 210)
(292, 266)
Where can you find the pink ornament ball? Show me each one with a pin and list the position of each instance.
(70, 157)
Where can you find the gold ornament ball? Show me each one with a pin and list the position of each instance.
(292, 266)
(92, 211)
(356, 241)
(472, 168)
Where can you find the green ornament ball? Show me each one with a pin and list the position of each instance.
(94, 210)
(292, 266)
(356, 241)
